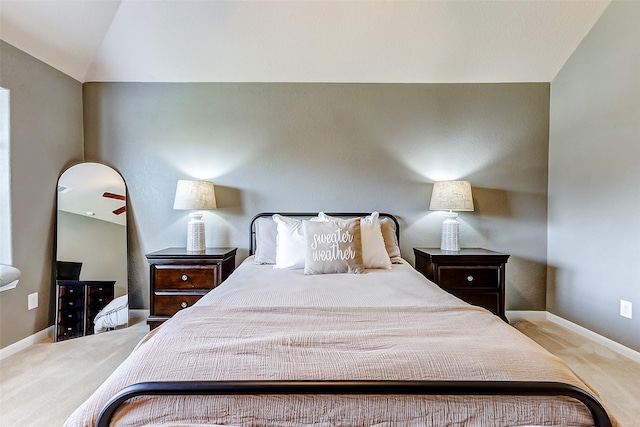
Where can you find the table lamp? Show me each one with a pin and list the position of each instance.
(196, 196)
(451, 196)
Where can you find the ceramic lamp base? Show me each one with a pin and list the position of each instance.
(195, 233)
(450, 229)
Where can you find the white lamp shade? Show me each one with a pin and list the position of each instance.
(451, 196)
(195, 195)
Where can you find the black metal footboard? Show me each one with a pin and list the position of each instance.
(444, 388)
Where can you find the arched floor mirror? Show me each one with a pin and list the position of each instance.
(91, 252)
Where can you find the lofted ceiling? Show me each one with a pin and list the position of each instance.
(301, 41)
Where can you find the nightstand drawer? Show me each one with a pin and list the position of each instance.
(186, 276)
(71, 292)
(67, 303)
(168, 304)
(70, 331)
(488, 300)
(96, 291)
(99, 299)
(452, 277)
(68, 317)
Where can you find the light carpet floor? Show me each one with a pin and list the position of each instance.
(43, 384)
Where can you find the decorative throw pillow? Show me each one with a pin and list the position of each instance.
(290, 243)
(388, 228)
(266, 231)
(333, 247)
(374, 253)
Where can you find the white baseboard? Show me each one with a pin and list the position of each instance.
(526, 315)
(573, 327)
(26, 342)
(610, 344)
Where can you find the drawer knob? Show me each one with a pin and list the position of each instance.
(469, 278)
(185, 277)
(184, 304)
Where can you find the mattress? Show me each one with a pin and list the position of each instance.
(269, 324)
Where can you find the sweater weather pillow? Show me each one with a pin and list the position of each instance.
(333, 247)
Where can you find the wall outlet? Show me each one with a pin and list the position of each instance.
(625, 308)
(32, 301)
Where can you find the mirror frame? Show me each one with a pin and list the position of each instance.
(91, 207)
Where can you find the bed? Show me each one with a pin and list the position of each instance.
(278, 347)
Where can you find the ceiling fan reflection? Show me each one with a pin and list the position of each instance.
(117, 197)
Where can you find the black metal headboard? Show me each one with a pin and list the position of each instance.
(252, 229)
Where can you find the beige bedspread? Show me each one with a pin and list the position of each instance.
(242, 331)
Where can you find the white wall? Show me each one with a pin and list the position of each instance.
(594, 179)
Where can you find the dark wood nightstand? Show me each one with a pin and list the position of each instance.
(474, 275)
(77, 304)
(180, 278)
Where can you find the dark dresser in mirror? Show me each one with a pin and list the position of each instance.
(91, 252)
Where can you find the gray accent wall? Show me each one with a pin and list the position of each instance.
(594, 179)
(332, 147)
(45, 136)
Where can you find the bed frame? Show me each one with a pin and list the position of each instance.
(252, 228)
(441, 388)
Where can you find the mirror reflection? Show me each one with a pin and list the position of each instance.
(91, 252)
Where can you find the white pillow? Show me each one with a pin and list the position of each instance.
(116, 304)
(290, 243)
(374, 252)
(265, 238)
